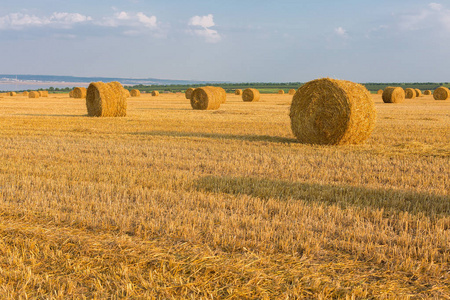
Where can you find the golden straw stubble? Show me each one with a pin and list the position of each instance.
(106, 100)
(410, 93)
(332, 112)
(250, 95)
(441, 93)
(393, 94)
(206, 98)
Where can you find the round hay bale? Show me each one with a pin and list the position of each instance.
(280, 92)
(380, 92)
(106, 100)
(223, 93)
(43, 93)
(238, 92)
(410, 93)
(12, 94)
(71, 94)
(292, 92)
(188, 93)
(135, 93)
(33, 94)
(441, 93)
(418, 92)
(126, 93)
(393, 94)
(206, 98)
(332, 112)
(155, 93)
(25, 94)
(427, 93)
(79, 92)
(250, 95)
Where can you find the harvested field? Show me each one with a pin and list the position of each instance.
(175, 203)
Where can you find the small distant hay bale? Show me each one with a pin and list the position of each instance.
(441, 93)
(380, 92)
(79, 92)
(25, 94)
(393, 94)
(188, 93)
(250, 95)
(43, 93)
(418, 92)
(280, 92)
(155, 93)
(126, 93)
(33, 94)
(292, 92)
(207, 98)
(332, 112)
(238, 92)
(427, 93)
(106, 100)
(12, 94)
(135, 93)
(410, 93)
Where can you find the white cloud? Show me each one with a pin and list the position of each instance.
(130, 20)
(341, 32)
(205, 22)
(435, 17)
(18, 21)
(149, 22)
(435, 6)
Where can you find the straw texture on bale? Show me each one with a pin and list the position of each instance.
(25, 93)
(135, 93)
(441, 93)
(250, 95)
(126, 93)
(281, 92)
(291, 92)
(393, 94)
(223, 96)
(207, 98)
(155, 93)
(418, 92)
(12, 93)
(410, 93)
(427, 92)
(79, 92)
(238, 92)
(43, 93)
(71, 94)
(106, 100)
(380, 92)
(332, 112)
(33, 94)
(188, 93)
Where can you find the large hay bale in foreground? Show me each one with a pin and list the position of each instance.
(207, 98)
(292, 92)
(250, 95)
(238, 92)
(441, 93)
(25, 94)
(380, 92)
(393, 94)
(418, 92)
(106, 100)
(135, 93)
(410, 93)
(331, 112)
(188, 93)
(33, 94)
(280, 92)
(79, 92)
(427, 93)
(155, 93)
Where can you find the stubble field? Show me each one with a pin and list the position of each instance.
(169, 202)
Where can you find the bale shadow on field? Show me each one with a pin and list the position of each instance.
(344, 196)
(221, 136)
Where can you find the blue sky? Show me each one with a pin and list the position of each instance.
(229, 40)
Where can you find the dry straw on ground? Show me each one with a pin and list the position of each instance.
(427, 93)
(25, 93)
(207, 98)
(292, 92)
(33, 94)
(250, 95)
(188, 93)
(380, 92)
(238, 92)
(79, 92)
(280, 92)
(332, 112)
(106, 100)
(418, 93)
(155, 93)
(410, 93)
(441, 93)
(135, 93)
(393, 95)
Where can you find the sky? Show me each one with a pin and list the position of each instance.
(228, 40)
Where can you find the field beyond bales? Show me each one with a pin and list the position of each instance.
(170, 202)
